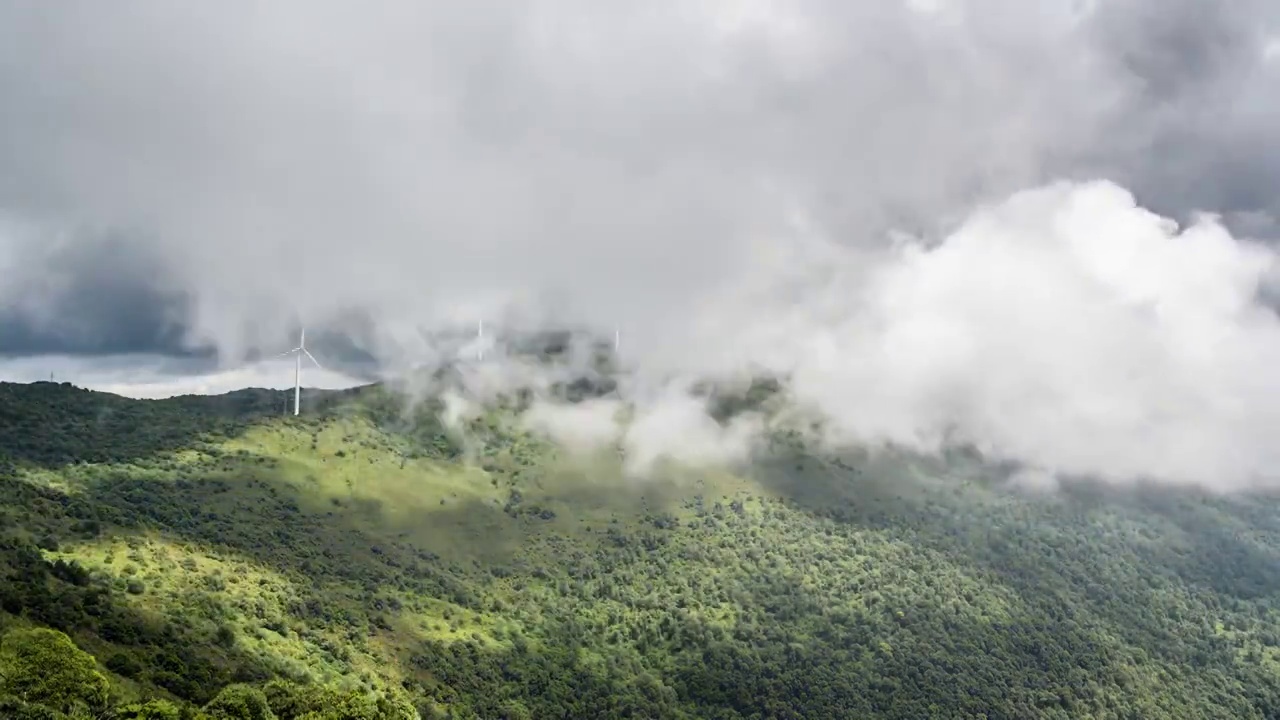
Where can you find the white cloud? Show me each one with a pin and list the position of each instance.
(665, 423)
(584, 427)
(1065, 327)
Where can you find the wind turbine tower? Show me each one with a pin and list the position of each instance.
(297, 353)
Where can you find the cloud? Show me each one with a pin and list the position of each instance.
(1065, 327)
(675, 426)
(424, 163)
(737, 186)
(70, 293)
(584, 427)
(1202, 136)
(667, 423)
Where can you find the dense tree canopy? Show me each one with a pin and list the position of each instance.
(210, 558)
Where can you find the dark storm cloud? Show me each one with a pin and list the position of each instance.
(1206, 109)
(97, 294)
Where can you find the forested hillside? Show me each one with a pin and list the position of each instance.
(209, 557)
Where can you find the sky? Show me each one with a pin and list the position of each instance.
(1046, 229)
(155, 375)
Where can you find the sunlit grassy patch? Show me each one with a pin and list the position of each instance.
(503, 577)
(229, 599)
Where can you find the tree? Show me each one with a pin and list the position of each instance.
(291, 701)
(239, 702)
(151, 710)
(12, 708)
(44, 667)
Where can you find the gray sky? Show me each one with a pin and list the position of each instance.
(206, 174)
(724, 180)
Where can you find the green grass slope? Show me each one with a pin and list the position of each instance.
(208, 552)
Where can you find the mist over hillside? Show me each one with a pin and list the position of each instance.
(455, 561)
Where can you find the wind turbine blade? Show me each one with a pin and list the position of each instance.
(288, 352)
(313, 358)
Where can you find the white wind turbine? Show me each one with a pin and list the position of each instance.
(297, 353)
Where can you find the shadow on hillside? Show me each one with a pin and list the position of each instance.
(869, 491)
(166, 652)
(1028, 664)
(263, 519)
(1232, 541)
(52, 425)
(597, 488)
(358, 540)
(1073, 542)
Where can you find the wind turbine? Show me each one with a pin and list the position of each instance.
(297, 353)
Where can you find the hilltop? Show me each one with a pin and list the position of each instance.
(211, 552)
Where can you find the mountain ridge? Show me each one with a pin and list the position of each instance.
(491, 574)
